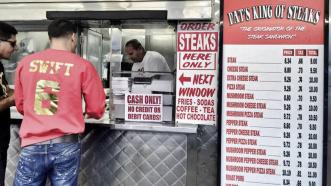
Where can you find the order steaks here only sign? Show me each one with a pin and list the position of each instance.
(197, 73)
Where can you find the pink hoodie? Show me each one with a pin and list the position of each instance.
(49, 87)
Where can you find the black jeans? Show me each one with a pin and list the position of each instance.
(4, 143)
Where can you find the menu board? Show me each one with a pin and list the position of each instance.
(197, 73)
(272, 97)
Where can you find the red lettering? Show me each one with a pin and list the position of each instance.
(197, 26)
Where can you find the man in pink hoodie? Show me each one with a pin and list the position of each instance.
(49, 88)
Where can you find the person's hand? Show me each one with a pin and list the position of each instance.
(11, 98)
(7, 100)
(10, 92)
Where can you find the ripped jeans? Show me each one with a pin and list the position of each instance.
(59, 162)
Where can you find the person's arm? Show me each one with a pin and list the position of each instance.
(7, 101)
(93, 93)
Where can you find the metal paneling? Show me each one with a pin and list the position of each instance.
(207, 156)
(177, 10)
(12, 154)
(128, 158)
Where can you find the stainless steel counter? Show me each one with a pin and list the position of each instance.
(127, 125)
(138, 154)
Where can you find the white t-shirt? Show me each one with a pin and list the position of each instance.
(152, 62)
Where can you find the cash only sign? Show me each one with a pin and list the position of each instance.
(197, 73)
(143, 107)
(272, 93)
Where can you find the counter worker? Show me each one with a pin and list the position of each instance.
(49, 87)
(145, 61)
(7, 47)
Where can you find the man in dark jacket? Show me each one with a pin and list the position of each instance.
(7, 47)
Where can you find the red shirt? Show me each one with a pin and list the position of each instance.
(49, 87)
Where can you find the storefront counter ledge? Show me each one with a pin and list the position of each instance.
(128, 153)
(126, 125)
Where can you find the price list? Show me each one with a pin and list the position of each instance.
(272, 93)
(272, 115)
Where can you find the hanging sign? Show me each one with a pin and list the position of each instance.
(143, 107)
(197, 73)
